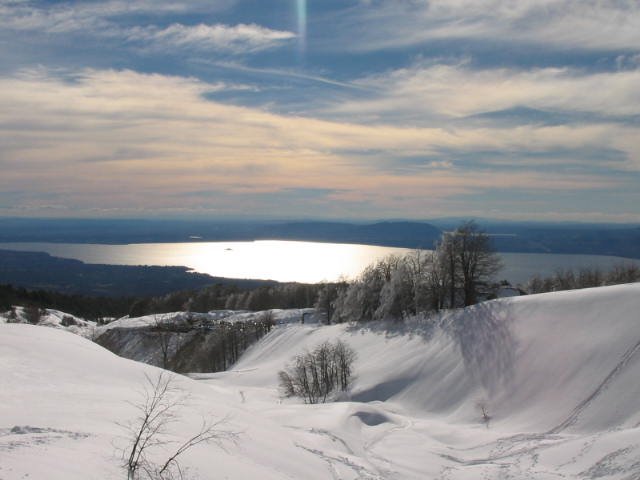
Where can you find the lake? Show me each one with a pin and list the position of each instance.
(288, 260)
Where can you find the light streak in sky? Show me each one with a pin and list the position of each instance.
(302, 25)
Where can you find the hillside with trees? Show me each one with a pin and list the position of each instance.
(460, 272)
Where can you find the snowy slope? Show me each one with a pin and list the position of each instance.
(559, 374)
(531, 360)
(62, 398)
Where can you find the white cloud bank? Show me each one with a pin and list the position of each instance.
(157, 142)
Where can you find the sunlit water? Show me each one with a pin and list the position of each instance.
(287, 261)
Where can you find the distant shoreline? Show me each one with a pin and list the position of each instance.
(507, 237)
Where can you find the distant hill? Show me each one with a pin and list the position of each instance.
(393, 234)
(44, 272)
(390, 234)
(595, 240)
(514, 237)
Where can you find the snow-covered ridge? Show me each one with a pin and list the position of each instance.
(559, 375)
(54, 319)
(231, 316)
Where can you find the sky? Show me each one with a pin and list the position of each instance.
(336, 109)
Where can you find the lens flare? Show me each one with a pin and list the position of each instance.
(302, 25)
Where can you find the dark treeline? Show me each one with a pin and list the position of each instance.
(231, 297)
(223, 296)
(583, 278)
(91, 308)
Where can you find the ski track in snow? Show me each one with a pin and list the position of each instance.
(335, 461)
(573, 416)
(624, 460)
(26, 436)
(524, 462)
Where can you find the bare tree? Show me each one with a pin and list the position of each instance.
(163, 335)
(469, 262)
(327, 296)
(149, 432)
(436, 282)
(477, 260)
(447, 261)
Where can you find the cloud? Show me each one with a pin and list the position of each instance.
(104, 20)
(66, 17)
(565, 24)
(590, 111)
(87, 134)
(431, 91)
(287, 73)
(239, 38)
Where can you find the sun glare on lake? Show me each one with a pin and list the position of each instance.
(279, 260)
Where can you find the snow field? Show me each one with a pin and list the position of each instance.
(559, 375)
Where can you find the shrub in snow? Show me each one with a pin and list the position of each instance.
(316, 374)
(12, 316)
(67, 321)
(33, 314)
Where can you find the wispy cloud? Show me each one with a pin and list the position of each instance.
(65, 17)
(239, 38)
(289, 73)
(100, 20)
(427, 90)
(566, 24)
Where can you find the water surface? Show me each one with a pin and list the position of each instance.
(288, 260)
